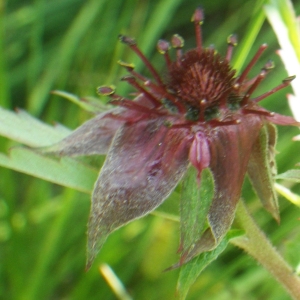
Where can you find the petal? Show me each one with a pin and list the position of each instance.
(230, 152)
(230, 148)
(143, 166)
(93, 137)
(262, 169)
(199, 152)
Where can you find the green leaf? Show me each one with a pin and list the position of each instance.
(23, 128)
(65, 171)
(190, 271)
(290, 175)
(91, 104)
(195, 203)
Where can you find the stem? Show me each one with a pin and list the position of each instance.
(257, 245)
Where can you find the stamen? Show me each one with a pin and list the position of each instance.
(132, 44)
(267, 67)
(198, 19)
(257, 81)
(177, 43)
(165, 94)
(259, 52)
(258, 112)
(284, 84)
(232, 42)
(131, 80)
(163, 48)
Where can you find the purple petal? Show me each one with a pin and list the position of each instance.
(199, 152)
(230, 148)
(230, 152)
(143, 166)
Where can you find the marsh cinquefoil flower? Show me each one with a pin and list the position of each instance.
(200, 113)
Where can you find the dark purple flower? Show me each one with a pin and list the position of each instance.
(200, 113)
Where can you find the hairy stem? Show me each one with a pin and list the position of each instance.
(257, 245)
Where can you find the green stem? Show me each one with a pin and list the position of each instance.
(257, 245)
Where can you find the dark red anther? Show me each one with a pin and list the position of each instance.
(232, 42)
(163, 48)
(269, 65)
(106, 90)
(127, 40)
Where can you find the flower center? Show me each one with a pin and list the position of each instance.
(201, 81)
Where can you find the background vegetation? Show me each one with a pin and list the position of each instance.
(72, 45)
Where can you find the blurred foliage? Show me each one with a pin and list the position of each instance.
(72, 45)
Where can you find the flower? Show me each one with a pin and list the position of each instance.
(200, 113)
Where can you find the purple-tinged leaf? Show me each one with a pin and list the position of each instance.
(143, 166)
(262, 169)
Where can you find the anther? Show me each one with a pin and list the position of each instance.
(106, 90)
(269, 65)
(127, 40)
(163, 48)
(177, 43)
(128, 66)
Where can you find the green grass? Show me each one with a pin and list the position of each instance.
(72, 45)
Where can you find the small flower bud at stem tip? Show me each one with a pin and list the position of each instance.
(106, 90)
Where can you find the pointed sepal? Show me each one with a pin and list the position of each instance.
(262, 169)
(143, 166)
(93, 137)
